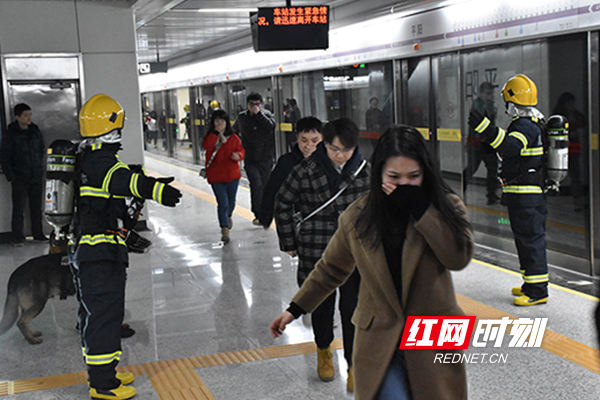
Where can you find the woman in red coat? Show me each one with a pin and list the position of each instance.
(224, 151)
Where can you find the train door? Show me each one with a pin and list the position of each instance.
(430, 97)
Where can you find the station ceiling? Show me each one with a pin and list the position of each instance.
(183, 31)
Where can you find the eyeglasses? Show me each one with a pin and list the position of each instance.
(338, 151)
(254, 103)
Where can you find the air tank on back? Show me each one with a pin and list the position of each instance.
(558, 150)
(60, 184)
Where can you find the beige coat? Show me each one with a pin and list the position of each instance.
(429, 253)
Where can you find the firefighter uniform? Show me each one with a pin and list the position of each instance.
(100, 253)
(522, 150)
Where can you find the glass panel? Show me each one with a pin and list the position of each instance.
(157, 123)
(557, 66)
(363, 93)
(416, 75)
(568, 212)
(448, 118)
(182, 144)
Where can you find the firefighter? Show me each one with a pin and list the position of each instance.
(99, 252)
(522, 149)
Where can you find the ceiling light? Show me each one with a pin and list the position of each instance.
(226, 10)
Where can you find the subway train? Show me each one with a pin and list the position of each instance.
(201, 309)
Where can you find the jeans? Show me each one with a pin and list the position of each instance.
(225, 193)
(395, 384)
(258, 173)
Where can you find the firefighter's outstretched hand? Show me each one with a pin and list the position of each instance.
(480, 123)
(166, 180)
(170, 196)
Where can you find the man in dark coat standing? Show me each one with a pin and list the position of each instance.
(256, 127)
(22, 159)
(307, 138)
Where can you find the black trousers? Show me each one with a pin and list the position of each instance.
(258, 173)
(528, 223)
(101, 289)
(477, 154)
(23, 192)
(322, 317)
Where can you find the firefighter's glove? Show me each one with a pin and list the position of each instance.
(481, 124)
(170, 196)
(410, 199)
(137, 168)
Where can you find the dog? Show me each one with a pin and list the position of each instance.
(32, 284)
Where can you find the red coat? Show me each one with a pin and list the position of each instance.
(223, 168)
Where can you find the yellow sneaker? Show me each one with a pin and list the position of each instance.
(125, 377)
(325, 364)
(517, 291)
(350, 383)
(527, 301)
(120, 393)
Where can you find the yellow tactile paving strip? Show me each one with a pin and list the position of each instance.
(569, 349)
(178, 380)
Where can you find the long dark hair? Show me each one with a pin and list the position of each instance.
(220, 114)
(408, 142)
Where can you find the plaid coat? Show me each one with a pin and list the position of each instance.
(304, 190)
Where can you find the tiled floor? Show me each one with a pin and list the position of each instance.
(190, 296)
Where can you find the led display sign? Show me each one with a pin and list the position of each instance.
(290, 28)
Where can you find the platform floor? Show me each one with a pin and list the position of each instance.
(201, 312)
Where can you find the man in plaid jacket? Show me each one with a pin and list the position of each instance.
(311, 183)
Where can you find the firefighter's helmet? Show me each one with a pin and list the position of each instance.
(520, 90)
(214, 104)
(186, 107)
(100, 115)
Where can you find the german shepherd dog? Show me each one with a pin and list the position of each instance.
(32, 284)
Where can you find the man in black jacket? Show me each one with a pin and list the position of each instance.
(256, 128)
(308, 136)
(22, 159)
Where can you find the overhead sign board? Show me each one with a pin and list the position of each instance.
(290, 28)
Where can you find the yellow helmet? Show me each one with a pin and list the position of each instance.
(214, 104)
(520, 90)
(100, 115)
(186, 107)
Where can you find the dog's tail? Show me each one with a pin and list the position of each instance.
(11, 312)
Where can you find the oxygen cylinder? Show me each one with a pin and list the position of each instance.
(558, 149)
(60, 184)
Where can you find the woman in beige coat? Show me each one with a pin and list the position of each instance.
(404, 236)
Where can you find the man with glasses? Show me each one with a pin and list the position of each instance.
(256, 127)
(335, 164)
